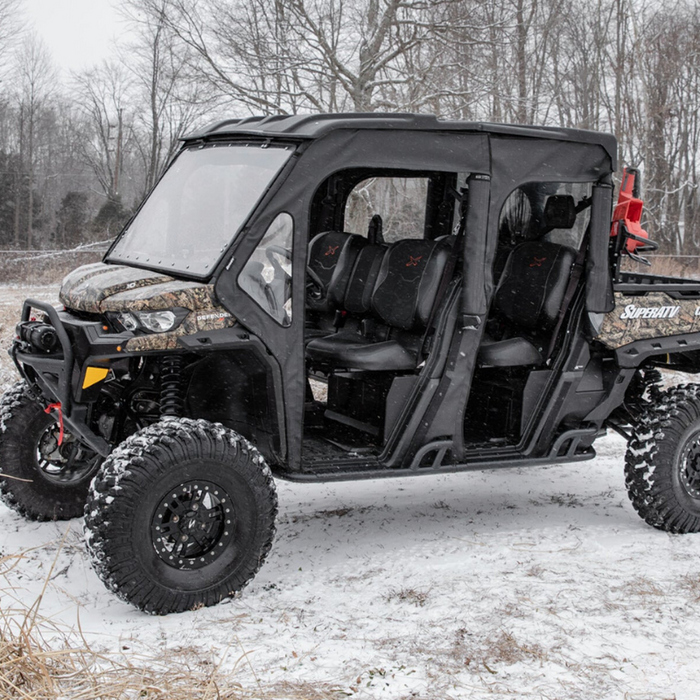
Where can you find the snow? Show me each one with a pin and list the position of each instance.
(528, 583)
(537, 582)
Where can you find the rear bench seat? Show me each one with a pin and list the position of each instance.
(399, 303)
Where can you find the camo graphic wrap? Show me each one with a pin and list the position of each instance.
(87, 287)
(167, 295)
(101, 288)
(655, 315)
(205, 320)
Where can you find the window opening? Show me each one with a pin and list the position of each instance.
(198, 207)
(523, 215)
(400, 201)
(267, 276)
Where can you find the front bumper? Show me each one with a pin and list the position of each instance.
(64, 375)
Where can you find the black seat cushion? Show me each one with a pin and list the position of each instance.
(353, 351)
(512, 352)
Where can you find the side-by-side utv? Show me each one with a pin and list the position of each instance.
(345, 297)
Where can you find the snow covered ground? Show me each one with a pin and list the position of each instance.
(517, 583)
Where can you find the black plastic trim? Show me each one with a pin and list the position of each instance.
(358, 470)
(633, 354)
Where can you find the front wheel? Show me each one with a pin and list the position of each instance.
(181, 515)
(662, 467)
(40, 478)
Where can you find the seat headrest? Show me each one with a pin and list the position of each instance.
(559, 212)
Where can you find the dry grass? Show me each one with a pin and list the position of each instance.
(504, 649)
(41, 661)
(408, 595)
(691, 584)
(642, 586)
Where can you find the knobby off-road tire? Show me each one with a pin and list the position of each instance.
(662, 466)
(38, 478)
(181, 515)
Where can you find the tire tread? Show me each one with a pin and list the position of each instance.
(649, 461)
(130, 467)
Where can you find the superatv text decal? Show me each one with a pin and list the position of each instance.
(657, 316)
(633, 311)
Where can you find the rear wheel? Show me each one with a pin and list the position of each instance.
(662, 467)
(180, 516)
(39, 478)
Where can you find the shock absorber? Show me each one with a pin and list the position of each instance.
(171, 399)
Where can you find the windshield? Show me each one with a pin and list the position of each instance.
(199, 206)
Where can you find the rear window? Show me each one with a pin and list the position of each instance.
(400, 201)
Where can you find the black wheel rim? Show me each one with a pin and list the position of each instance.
(689, 466)
(193, 525)
(66, 463)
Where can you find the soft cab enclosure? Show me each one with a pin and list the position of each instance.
(492, 162)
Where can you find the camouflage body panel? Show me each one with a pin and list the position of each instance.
(204, 320)
(87, 287)
(166, 295)
(99, 288)
(655, 315)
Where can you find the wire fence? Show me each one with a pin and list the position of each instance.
(49, 266)
(44, 266)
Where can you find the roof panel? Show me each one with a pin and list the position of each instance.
(312, 126)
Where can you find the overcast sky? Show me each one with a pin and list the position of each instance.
(78, 33)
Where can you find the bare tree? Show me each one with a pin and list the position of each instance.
(36, 83)
(628, 66)
(670, 104)
(172, 99)
(291, 55)
(9, 26)
(103, 95)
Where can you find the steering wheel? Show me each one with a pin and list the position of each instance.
(315, 288)
(273, 250)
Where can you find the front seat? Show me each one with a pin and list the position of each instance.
(401, 304)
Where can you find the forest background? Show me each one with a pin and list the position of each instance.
(79, 152)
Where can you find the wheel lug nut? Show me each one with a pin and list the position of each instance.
(184, 538)
(176, 518)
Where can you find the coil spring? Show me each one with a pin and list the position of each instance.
(171, 400)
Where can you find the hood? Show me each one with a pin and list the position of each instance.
(100, 287)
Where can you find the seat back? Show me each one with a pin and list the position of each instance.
(533, 285)
(408, 281)
(355, 295)
(331, 256)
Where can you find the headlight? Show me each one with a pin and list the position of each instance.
(128, 321)
(157, 321)
(149, 321)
